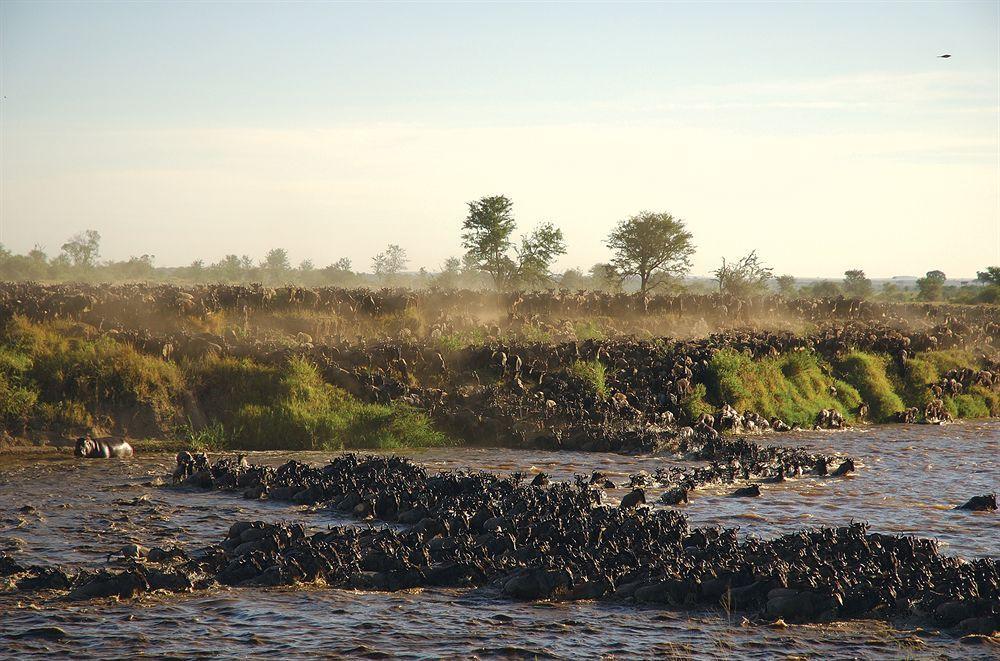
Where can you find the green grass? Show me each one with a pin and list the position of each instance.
(592, 374)
(868, 374)
(949, 359)
(456, 341)
(695, 403)
(63, 377)
(53, 377)
(794, 386)
(290, 407)
(59, 378)
(912, 384)
(532, 333)
(212, 437)
(589, 329)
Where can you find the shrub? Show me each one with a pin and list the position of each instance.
(16, 403)
(694, 405)
(867, 373)
(291, 407)
(592, 374)
(588, 329)
(793, 386)
(212, 437)
(970, 406)
(65, 416)
(949, 359)
(918, 373)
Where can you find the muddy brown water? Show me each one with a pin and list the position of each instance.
(76, 512)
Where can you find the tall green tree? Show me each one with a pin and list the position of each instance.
(388, 264)
(991, 276)
(486, 237)
(650, 244)
(857, 284)
(931, 286)
(824, 289)
(83, 249)
(276, 265)
(450, 275)
(535, 256)
(786, 285)
(572, 280)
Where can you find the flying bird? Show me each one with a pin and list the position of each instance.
(945, 55)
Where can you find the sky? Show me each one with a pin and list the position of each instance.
(826, 136)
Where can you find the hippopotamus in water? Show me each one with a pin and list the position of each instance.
(102, 448)
(987, 503)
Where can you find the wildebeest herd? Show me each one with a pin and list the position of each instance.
(510, 383)
(538, 541)
(494, 366)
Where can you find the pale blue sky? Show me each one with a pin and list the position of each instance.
(827, 136)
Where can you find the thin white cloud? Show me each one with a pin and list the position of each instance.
(874, 92)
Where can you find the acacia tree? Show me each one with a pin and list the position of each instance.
(487, 233)
(572, 280)
(229, 269)
(340, 272)
(83, 249)
(387, 265)
(650, 244)
(745, 277)
(856, 284)
(824, 289)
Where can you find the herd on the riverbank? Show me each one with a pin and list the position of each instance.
(515, 372)
(521, 370)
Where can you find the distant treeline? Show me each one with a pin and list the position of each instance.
(649, 251)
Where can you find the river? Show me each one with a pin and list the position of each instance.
(75, 512)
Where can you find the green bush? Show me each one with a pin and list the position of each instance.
(63, 379)
(949, 359)
(990, 399)
(592, 374)
(65, 416)
(868, 374)
(793, 386)
(694, 404)
(16, 403)
(588, 329)
(918, 373)
(212, 437)
(970, 406)
(291, 407)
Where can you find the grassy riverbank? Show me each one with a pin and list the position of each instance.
(795, 386)
(61, 379)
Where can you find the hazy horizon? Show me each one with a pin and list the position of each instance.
(826, 137)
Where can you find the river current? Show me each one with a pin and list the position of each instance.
(76, 512)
